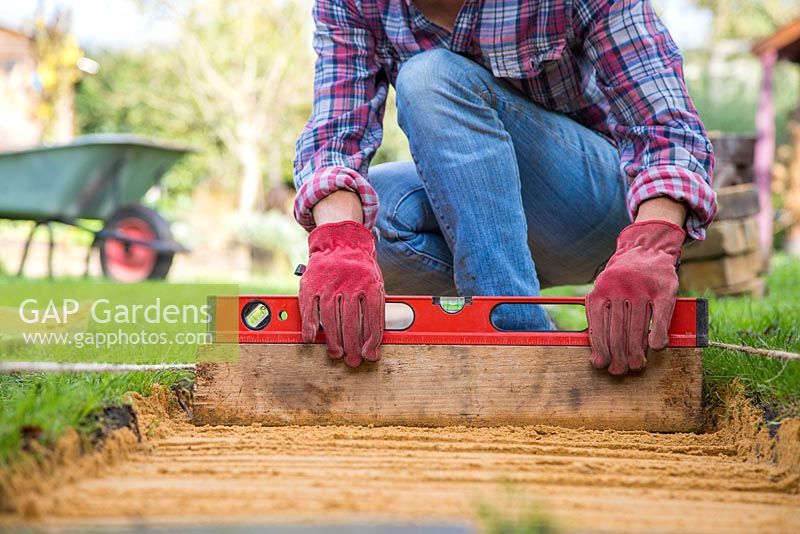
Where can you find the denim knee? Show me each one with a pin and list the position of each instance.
(433, 75)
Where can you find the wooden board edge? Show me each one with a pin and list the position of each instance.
(687, 413)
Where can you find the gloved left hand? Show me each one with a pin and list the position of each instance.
(639, 283)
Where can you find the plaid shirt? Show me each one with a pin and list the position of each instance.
(609, 65)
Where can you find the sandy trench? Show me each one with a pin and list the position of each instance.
(736, 479)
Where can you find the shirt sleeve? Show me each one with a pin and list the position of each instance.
(345, 128)
(663, 146)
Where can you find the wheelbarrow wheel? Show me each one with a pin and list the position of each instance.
(127, 262)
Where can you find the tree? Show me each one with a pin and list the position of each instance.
(139, 91)
(236, 84)
(247, 67)
(56, 53)
(749, 18)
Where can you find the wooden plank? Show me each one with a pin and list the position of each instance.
(728, 174)
(734, 158)
(737, 202)
(724, 238)
(736, 149)
(721, 272)
(450, 385)
(755, 288)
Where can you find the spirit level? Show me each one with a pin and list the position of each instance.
(431, 321)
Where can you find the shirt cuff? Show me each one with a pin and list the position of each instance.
(679, 184)
(325, 181)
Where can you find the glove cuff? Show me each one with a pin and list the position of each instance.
(344, 234)
(653, 235)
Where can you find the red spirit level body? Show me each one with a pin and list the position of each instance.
(433, 321)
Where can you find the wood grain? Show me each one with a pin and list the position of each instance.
(450, 385)
(737, 202)
(721, 272)
(755, 288)
(724, 238)
(734, 159)
(735, 149)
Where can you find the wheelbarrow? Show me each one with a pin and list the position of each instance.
(100, 177)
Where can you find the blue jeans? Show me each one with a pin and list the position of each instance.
(503, 196)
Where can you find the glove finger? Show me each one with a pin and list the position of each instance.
(662, 317)
(373, 311)
(331, 326)
(597, 311)
(350, 323)
(638, 322)
(618, 341)
(309, 315)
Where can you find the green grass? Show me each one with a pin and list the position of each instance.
(512, 511)
(569, 316)
(56, 402)
(772, 322)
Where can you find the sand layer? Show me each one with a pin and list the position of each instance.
(735, 479)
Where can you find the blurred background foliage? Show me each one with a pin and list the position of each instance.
(238, 80)
(723, 76)
(736, 19)
(126, 96)
(56, 53)
(236, 84)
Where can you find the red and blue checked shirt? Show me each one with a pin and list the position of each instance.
(610, 65)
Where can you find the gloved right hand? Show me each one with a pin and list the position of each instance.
(342, 290)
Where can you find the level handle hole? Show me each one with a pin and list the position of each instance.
(399, 316)
(525, 317)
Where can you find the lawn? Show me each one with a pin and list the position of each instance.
(773, 322)
(53, 403)
(56, 402)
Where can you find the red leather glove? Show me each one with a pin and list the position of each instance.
(640, 282)
(343, 287)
